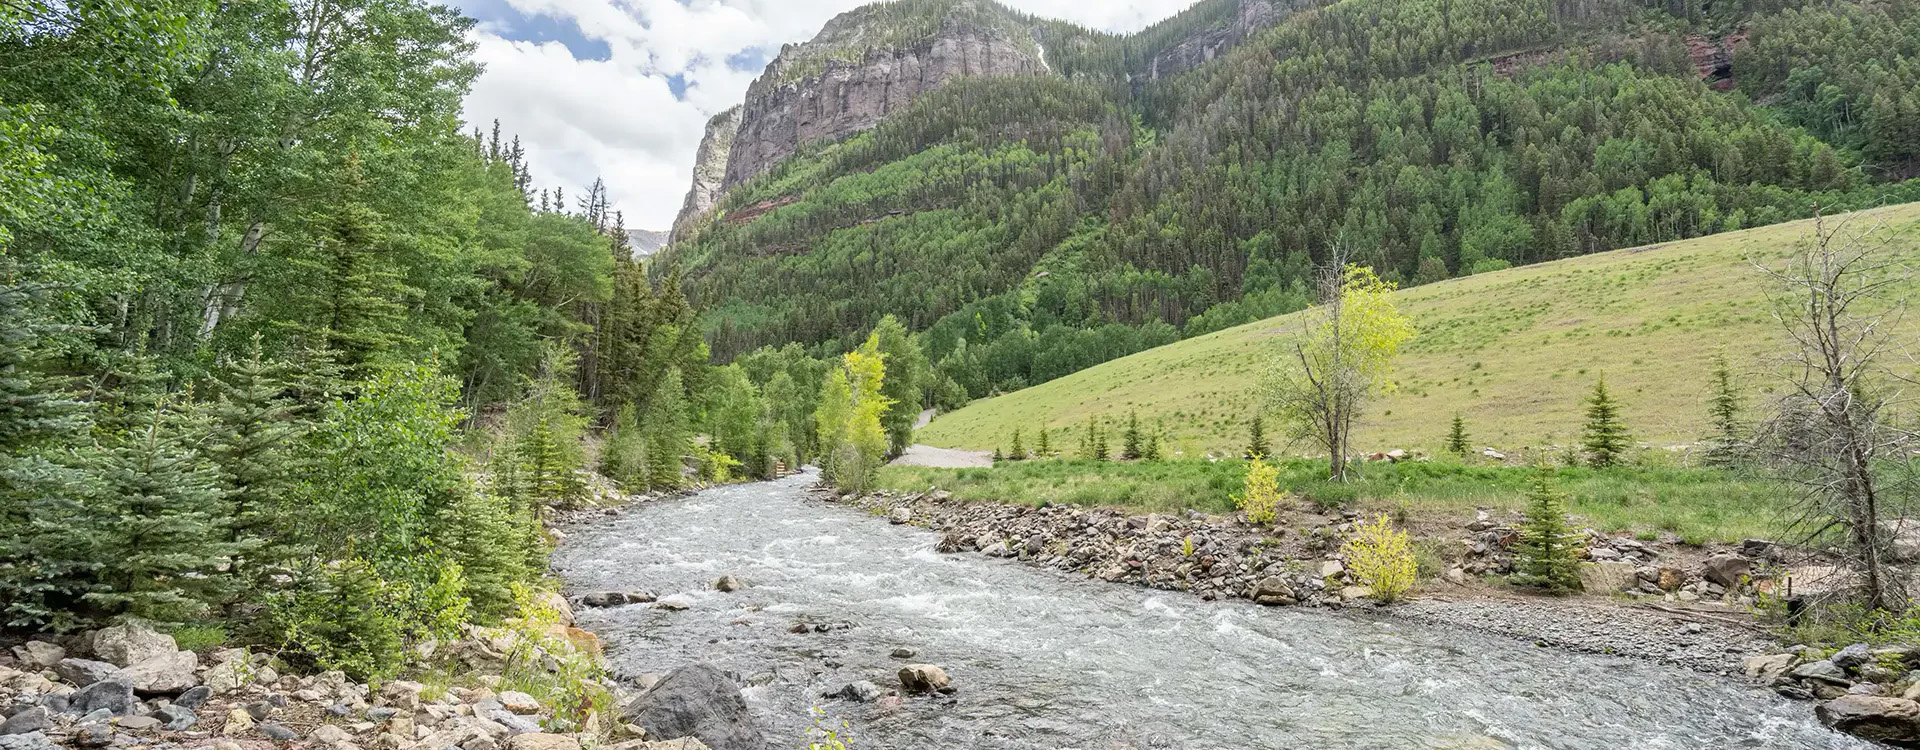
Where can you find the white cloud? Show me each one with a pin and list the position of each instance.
(619, 119)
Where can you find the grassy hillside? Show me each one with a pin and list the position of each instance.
(1515, 351)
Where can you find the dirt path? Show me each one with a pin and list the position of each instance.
(943, 458)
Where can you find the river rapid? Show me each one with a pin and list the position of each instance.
(1043, 659)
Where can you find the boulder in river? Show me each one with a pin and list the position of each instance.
(1273, 591)
(1895, 721)
(923, 678)
(728, 584)
(697, 701)
(900, 516)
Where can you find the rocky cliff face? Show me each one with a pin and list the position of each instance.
(858, 87)
(1200, 48)
(709, 170)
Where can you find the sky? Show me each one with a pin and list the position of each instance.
(622, 89)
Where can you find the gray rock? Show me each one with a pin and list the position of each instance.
(54, 703)
(900, 516)
(83, 671)
(36, 719)
(137, 723)
(28, 741)
(98, 714)
(260, 710)
(113, 695)
(1895, 721)
(697, 701)
(1727, 570)
(176, 718)
(277, 732)
(923, 678)
(381, 713)
(515, 723)
(862, 691)
(728, 584)
(167, 674)
(339, 709)
(1272, 591)
(39, 654)
(98, 735)
(904, 653)
(194, 698)
(130, 643)
(997, 549)
(1852, 656)
(1822, 671)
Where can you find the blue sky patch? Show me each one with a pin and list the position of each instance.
(520, 27)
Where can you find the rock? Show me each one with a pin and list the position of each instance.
(900, 516)
(675, 603)
(603, 599)
(1670, 578)
(260, 710)
(543, 741)
(1493, 454)
(519, 703)
(402, 694)
(28, 741)
(113, 695)
(98, 735)
(1895, 721)
(1606, 577)
(904, 653)
(1456, 576)
(239, 721)
(36, 719)
(1273, 591)
(328, 734)
(1727, 570)
(862, 691)
(194, 698)
(1769, 668)
(1355, 593)
(1822, 671)
(39, 654)
(1332, 569)
(728, 584)
(513, 723)
(84, 671)
(557, 603)
(283, 734)
(996, 549)
(1852, 656)
(696, 701)
(130, 643)
(1904, 535)
(138, 723)
(1603, 554)
(226, 677)
(923, 678)
(166, 674)
(176, 718)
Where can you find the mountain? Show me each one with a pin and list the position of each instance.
(1033, 211)
(1514, 352)
(646, 242)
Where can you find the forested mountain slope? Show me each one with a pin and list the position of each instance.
(1032, 225)
(1515, 352)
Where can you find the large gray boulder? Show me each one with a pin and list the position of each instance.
(697, 701)
(1894, 721)
(84, 671)
(130, 643)
(115, 695)
(168, 674)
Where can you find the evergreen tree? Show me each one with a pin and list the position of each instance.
(667, 437)
(1457, 442)
(1086, 441)
(1257, 438)
(1549, 553)
(1043, 445)
(998, 456)
(251, 444)
(1605, 438)
(1100, 452)
(1725, 447)
(496, 543)
(547, 474)
(1019, 452)
(158, 523)
(44, 564)
(1131, 441)
(1151, 451)
(355, 289)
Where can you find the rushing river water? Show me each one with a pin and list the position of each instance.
(1043, 660)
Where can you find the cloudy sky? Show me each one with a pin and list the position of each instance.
(622, 89)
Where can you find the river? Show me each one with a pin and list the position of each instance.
(1047, 660)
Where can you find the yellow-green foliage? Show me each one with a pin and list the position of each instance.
(551, 669)
(1260, 495)
(851, 405)
(1381, 558)
(823, 737)
(1514, 351)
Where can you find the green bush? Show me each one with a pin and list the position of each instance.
(338, 616)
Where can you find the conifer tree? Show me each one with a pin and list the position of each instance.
(1725, 445)
(666, 429)
(1457, 442)
(158, 523)
(1548, 550)
(352, 303)
(1019, 451)
(1257, 438)
(1151, 451)
(1086, 441)
(251, 445)
(496, 545)
(1605, 438)
(1043, 445)
(44, 564)
(1100, 452)
(1131, 441)
(998, 456)
(547, 474)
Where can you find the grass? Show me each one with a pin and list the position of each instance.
(199, 637)
(1693, 504)
(1513, 351)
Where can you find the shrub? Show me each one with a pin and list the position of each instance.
(1381, 558)
(338, 616)
(1260, 495)
(1549, 557)
(551, 669)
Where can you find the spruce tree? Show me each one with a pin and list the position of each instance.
(488, 536)
(158, 522)
(1086, 442)
(1605, 438)
(1257, 438)
(44, 564)
(1019, 451)
(1151, 451)
(998, 456)
(547, 475)
(1043, 445)
(1099, 441)
(251, 445)
(1725, 447)
(1131, 441)
(1548, 550)
(1457, 442)
(666, 429)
